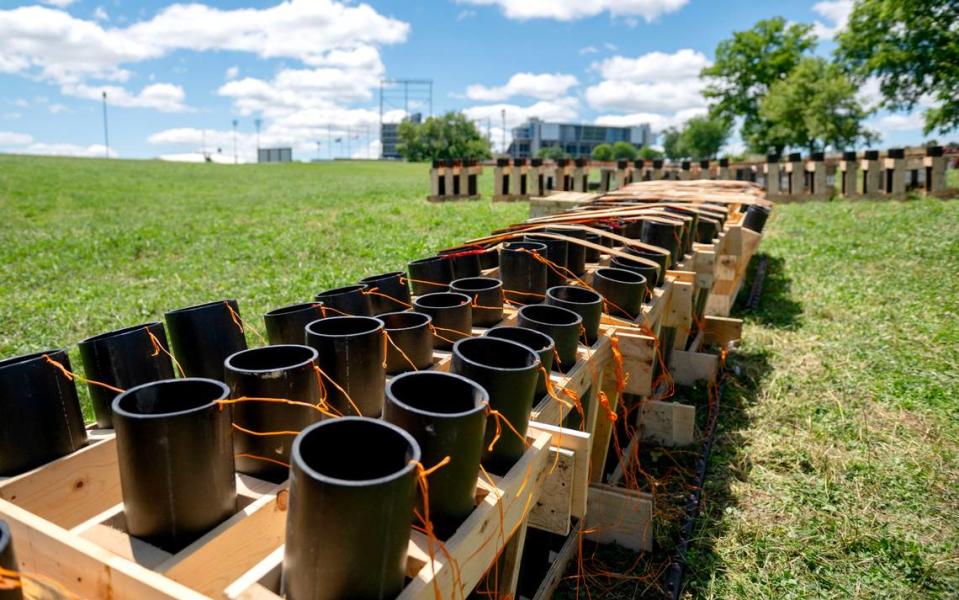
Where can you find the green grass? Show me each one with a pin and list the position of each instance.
(836, 467)
(87, 246)
(836, 470)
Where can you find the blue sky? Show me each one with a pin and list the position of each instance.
(178, 74)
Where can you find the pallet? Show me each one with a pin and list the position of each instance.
(737, 247)
(67, 524)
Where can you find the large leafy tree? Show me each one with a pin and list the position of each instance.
(673, 143)
(702, 137)
(551, 153)
(602, 152)
(912, 46)
(815, 107)
(747, 65)
(450, 135)
(624, 150)
(648, 153)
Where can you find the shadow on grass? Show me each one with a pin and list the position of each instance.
(728, 464)
(776, 305)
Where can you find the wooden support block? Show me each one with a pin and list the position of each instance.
(620, 516)
(722, 330)
(689, 367)
(579, 443)
(639, 359)
(553, 509)
(604, 426)
(668, 423)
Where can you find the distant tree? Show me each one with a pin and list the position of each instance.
(816, 106)
(625, 151)
(673, 144)
(450, 135)
(603, 152)
(702, 137)
(551, 153)
(745, 68)
(648, 153)
(912, 46)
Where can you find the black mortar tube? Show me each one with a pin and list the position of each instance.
(284, 372)
(352, 493)
(446, 415)
(204, 335)
(41, 418)
(175, 455)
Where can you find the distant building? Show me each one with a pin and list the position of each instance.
(389, 135)
(274, 155)
(576, 139)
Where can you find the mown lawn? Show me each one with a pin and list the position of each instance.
(87, 246)
(836, 469)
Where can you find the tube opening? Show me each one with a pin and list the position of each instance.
(271, 358)
(437, 393)
(496, 353)
(356, 450)
(169, 397)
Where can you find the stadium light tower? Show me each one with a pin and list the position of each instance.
(236, 158)
(258, 121)
(106, 131)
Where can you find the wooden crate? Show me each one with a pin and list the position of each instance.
(67, 523)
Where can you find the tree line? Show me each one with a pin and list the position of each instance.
(769, 81)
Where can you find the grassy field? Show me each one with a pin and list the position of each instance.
(836, 469)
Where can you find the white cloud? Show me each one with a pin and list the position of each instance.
(658, 88)
(164, 97)
(10, 138)
(12, 116)
(52, 45)
(232, 72)
(465, 14)
(571, 10)
(563, 109)
(588, 50)
(657, 122)
(58, 108)
(658, 97)
(654, 66)
(543, 86)
(836, 12)
(900, 122)
(93, 151)
(100, 14)
(59, 3)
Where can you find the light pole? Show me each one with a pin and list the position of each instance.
(236, 159)
(503, 114)
(258, 121)
(106, 131)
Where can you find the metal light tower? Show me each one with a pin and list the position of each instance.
(258, 121)
(106, 131)
(503, 114)
(236, 159)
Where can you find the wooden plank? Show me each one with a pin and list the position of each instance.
(260, 582)
(69, 490)
(215, 560)
(579, 443)
(552, 510)
(558, 569)
(80, 565)
(689, 367)
(639, 360)
(620, 516)
(513, 559)
(668, 423)
(722, 330)
(604, 426)
(477, 542)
